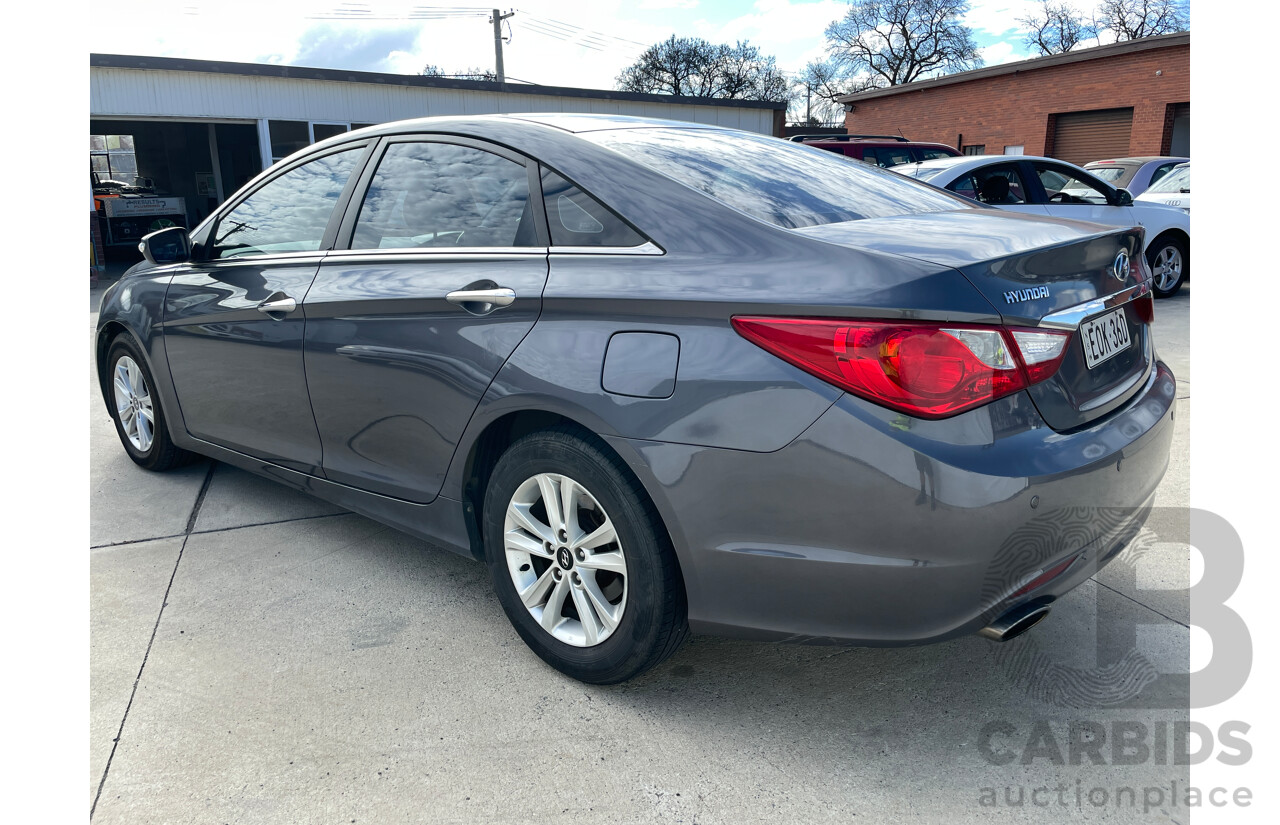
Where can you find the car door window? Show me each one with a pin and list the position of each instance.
(1061, 185)
(288, 214)
(998, 186)
(886, 157)
(427, 194)
(577, 219)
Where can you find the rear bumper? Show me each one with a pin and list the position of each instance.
(875, 529)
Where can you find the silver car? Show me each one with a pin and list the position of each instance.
(662, 378)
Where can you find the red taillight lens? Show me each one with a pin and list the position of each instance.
(1145, 308)
(926, 370)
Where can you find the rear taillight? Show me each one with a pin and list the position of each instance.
(1145, 308)
(925, 370)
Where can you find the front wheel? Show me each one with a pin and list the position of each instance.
(136, 410)
(1170, 265)
(580, 560)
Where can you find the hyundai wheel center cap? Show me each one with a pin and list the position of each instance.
(564, 557)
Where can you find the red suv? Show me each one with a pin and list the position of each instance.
(879, 150)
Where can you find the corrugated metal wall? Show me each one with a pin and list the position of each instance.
(115, 92)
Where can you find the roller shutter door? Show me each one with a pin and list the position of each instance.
(1080, 137)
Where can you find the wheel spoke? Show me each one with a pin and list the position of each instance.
(555, 605)
(520, 542)
(520, 513)
(136, 384)
(602, 535)
(569, 507)
(587, 615)
(611, 562)
(145, 430)
(603, 609)
(536, 593)
(551, 503)
(121, 383)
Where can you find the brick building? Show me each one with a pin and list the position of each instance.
(1122, 100)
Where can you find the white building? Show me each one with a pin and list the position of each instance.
(199, 129)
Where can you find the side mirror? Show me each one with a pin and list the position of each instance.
(166, 246)
(1122, 198)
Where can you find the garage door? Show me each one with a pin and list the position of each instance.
(1080, 137)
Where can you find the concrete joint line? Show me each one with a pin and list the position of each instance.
(191, 521)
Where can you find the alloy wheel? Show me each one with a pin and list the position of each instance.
(133, 404)
(565, 559)
(1167, 268)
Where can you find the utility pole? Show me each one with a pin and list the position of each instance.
(497, 19)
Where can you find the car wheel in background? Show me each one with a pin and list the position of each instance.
(1170, 265)
(136, 410)
(580, 560)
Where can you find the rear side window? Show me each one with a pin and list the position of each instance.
(289, 213)
(786, 184)
(441, 194)
(577, 219)
(931, 154)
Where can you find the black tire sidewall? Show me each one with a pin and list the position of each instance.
(643, 629)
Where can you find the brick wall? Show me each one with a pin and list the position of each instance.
(1014, 109)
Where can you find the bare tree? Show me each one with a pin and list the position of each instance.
(693, 66)
(818, 90)
(898, 41)
(1133, 19)
(432, 70)
(1056, 28)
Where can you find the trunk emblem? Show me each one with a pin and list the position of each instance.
(1120, 266)
(1018, 295)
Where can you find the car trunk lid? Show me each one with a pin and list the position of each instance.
(1041, 273)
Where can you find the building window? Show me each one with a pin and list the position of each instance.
(976, 149)
(1013, 150)
(327, 130)
(287, 137)
(111, 157)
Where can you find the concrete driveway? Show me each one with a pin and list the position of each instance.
(262, 657)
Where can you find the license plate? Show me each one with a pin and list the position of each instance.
(1104, 337)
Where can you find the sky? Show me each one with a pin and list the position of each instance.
(583, 43)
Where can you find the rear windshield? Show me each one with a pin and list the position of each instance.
(786, 184)
(1114, 175)
(919, 172)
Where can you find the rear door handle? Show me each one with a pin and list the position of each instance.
(482, 301)
(273, 304)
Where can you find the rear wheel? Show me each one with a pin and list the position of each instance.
(136, 410)
(579, 559)
(1170, 265)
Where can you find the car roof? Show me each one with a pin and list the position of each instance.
(563, 121)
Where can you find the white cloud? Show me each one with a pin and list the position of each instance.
(999, 53)
(660, 5)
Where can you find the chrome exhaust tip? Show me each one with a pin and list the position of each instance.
(1015, 622)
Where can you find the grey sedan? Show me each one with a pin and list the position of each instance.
(662, 378)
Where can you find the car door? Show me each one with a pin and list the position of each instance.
(233, 328)
(1012, 194)
(439, 275)
(1072, 193)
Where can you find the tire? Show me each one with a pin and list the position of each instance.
(135, 409)
(616, 563)
(1170, 265)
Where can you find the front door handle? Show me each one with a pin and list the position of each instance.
(482, 301)
(274, 304)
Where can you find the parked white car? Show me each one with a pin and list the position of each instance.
(1134, 174)
(1044, 186)
(1174, 189)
